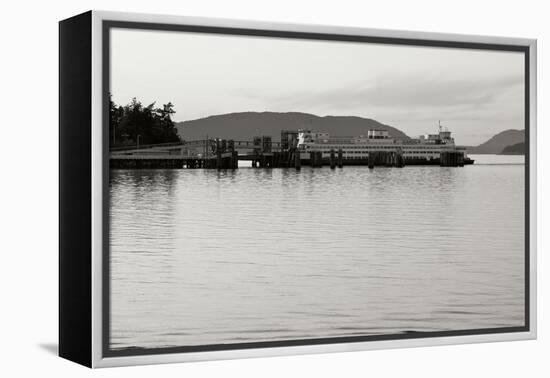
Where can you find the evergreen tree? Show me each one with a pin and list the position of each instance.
(152, 125)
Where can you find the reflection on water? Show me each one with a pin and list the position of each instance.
(206, 257)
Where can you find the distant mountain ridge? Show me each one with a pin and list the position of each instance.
(499, 142)
(246, 125)
(514, 149)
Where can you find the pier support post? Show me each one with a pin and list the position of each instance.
(332, 159)
(218, 154)
(400, 161)
(340, 158)
(371, 157)
(316, 159)
(297, 161)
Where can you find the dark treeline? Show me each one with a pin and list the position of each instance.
(150, 124)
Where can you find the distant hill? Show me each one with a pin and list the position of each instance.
(496, 144)
(514, 149)
(244, 126)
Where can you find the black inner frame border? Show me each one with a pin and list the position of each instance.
(107, 25)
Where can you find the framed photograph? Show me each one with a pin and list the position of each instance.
(235, 189)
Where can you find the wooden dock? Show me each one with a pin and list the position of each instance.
(262, 153)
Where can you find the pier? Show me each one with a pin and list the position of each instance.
(262, 152)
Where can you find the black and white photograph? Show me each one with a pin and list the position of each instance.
(290, 188)
(271, 190)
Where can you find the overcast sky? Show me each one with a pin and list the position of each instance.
(474, 93)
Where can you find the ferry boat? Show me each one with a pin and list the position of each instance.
(424, 150)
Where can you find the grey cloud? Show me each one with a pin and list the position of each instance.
(417, 92)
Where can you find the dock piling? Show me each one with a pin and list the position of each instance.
(332, 159)
(297, 161)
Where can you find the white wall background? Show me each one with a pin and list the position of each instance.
(28, 197)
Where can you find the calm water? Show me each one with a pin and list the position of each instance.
(208, 257)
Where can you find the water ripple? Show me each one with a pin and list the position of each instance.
(207, 257)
